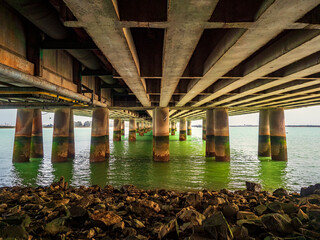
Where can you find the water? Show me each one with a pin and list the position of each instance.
(188, 169)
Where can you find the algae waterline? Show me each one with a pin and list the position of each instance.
(188, 168)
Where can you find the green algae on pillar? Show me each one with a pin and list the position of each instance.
(22, 139)
(264, 146)
(210, 142)
(36, 150)
(189, 128)
(173, 128)
(132, 130)
(99, 149)
(161, 134)
(204, 129)
(183, 128)
(141, 129)
(278, 134)
(122, 128)
(221, 134)
(60, 142)
(71, 149)
(117, 130)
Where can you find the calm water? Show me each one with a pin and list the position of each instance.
(188, 169)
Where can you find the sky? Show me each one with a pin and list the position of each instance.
(300, 116)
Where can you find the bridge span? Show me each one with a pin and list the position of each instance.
(155, 63)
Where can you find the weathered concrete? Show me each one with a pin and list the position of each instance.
(278, 134)
(173, 128)
(117, 130)
(71, 148)
(264, 146)
(122, 127)
(210, 143)
(221, 134)
(141, 128)
(22, 139)
(99, 149)
(60, 142)
(161, 134)
(36, 149)
(189, 130)
(132, 130)
(204, 129)
(183, 129)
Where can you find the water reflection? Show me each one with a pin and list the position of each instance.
(62, 169)
(26, 173)
(99, 173)
(272, 173)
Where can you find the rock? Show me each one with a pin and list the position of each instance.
(170, 228)
(289, 208)
(194, 199)
(254, 187)
(104, 219)
(129, 231)
(118, 226)
(217, 226)
(23, 220)
(240, 232)
(137, 224)
(189, 214)
(78, 215)
(296, 223)
(309, 233)
(305, 191)
(302, 216)
(230, 210)
(13, 232)
(56, 226)
(277, 224)
(146, 207)
(275, 207)
(280, 192)
(209, 211)
(260, 209)
(246, 215)
(91, 233)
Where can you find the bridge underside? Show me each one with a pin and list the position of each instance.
(134, 55)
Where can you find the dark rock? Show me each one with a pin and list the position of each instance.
(296, 223)
(129, 231)
(23, 220)
(56, 226)
(305, 191)
(189, 214)
(194, 199)
(309, 233)
(78, 215)
(104, 219)
(260, 209)
(217, 226)
(13, 232)
(254, 187)
(246, 215)
(280, 192)
(277, 224)
(302, 216)
(145, 207)
(171, 227)
(230, 210)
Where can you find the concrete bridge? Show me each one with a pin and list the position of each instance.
(156, 61)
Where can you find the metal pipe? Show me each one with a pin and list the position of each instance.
(40, 83)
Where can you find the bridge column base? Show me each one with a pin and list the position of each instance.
(132, 130)
(183, 128)
(141, 129)
(36, 150)
(117, 130)
(221, 134)
(264, 146)
(99, 149)
(278, 134)
(60, 142)
(204, 129)
(189, 131)
(122, 128)
(22, 139)
(210, 140)
(173, 128)
(71, 148)
(161, 134)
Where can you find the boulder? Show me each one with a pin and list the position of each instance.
(145, 207)
(217, 227)
(277, 223)
(280, 192)
(189, 214)
(260, 209)
(312, 189)
(254, 187)
(230, 210)
(246, 215)
(103, 219)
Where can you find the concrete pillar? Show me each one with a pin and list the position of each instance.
(173, 128)
(36, 150)
(204, 129)
(189, 127)
(132, 130)
(278, 134)
(210, 143)
(141, 128)
(99, 149)
(22, 139)
(161, 134)
(71, 149)
(60, 142)
(122, 127)
(117, 130)
(221, 134)
(183, 128)
(264, 146)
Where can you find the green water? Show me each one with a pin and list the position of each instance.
(188, 168)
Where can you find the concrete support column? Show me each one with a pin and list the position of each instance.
(161, 134)
(221, 134)
(141, 129)
(132, 130)
(36, 138)
(117, 130)
(264, 146)
(204, 129)
(173, 128)
(71, 149)
(189, 127)
(183, 128)
(22, 139)
(99, 149)
(278, 134)
(122, 128)
(210, 143)
(60, 142)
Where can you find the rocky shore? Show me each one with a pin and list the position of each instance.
(63, 212)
